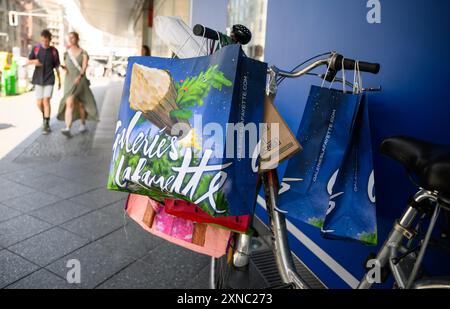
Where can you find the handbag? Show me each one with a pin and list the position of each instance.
(325, 134)
(161, 147)
(352, 207)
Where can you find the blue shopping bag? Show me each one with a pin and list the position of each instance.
(352, 213)
(325, 135)
(179, 131)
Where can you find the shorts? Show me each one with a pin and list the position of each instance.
(42, 92)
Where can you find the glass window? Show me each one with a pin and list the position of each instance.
(253, 15)
(178, 8)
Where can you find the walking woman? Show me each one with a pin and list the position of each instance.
(78, 102)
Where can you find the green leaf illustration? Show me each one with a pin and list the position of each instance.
(316, 222)
(193, 90)
(181, 113)
(369, 238)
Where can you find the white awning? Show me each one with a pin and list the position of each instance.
(117, 17)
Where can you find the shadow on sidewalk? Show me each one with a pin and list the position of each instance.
(38, 148)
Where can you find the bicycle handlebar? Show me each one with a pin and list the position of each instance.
(200, 30)
(334, 63)
(350, 64)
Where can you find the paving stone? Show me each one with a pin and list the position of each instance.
(165, 267)
(94, 180)
(32, 201)
(60, 212)
(10, 190)
(48, 246)
(97, 264)
(46, 181)
(131, 240)
(7, 213)
(68, 189)
(13, 268)
(138, 275)
(70, 171)
(42, 279)
(65, 164)
(179, 264)
(10, 167)
(20, 228)
(116, 209)
(55, 147)
(98, 198)
(24, 175)
(201, 281)
(94, 225)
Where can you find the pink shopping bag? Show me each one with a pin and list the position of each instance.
(198, 237)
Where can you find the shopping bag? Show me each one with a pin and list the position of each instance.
(183, 130)
(198, 237)
(352, 213)
(189, 211)
(325, 135)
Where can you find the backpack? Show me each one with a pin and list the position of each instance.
(37, 48)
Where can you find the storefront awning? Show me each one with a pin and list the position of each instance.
(116, 17)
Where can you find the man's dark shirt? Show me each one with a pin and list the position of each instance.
(44, 75)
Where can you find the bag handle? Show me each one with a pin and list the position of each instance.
(220, 45)
(324, 79)
(357, 79)
(73, 60)
(344, 79)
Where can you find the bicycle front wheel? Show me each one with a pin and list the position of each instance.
(221, 270)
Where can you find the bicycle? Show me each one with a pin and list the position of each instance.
(405, 150)
(428, 166)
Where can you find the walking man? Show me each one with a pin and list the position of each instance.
(45, 58)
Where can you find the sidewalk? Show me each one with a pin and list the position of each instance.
(54, 207)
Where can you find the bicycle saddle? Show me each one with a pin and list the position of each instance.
(430, 163)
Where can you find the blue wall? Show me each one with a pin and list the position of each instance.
(412, 45)
(211, 13)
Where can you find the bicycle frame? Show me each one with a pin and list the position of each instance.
(389, 252)
(281, 248)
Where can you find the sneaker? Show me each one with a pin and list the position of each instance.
(82, 128)
(66, 132)
(46, 129)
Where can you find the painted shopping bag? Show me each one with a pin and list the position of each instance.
(352, 212)
(198, 237)
(178, 134)
(325, 134)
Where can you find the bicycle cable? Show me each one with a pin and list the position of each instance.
(281, 79)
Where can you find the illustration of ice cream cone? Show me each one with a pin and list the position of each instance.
(152, 92)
